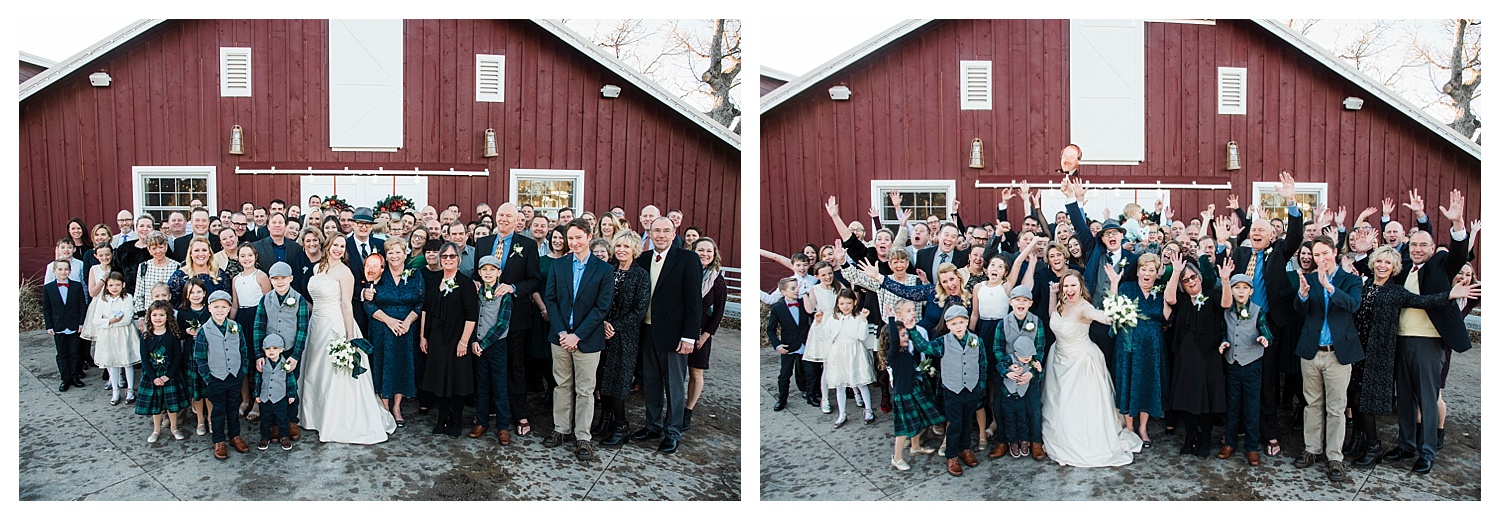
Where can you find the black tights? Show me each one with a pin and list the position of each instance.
(1198, 429)
(1365, 422)
(614, 407)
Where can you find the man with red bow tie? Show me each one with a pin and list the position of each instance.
(62, 309)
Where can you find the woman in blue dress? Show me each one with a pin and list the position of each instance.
(1140, 360)
(394, 305)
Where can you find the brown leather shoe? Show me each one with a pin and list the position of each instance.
(239, 444)
(503, 435)
(476, 432)
(220, 452)
(1037, 452)
(955, 467)
(1226, 451)
(999, 450)
(968, 458)
(1253, 457)
(296, 432)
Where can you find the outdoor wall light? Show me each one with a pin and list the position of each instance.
(610, 91)
(237, 140)
(491, 149)
(1234, 157)
(839, 93)
(976, 154)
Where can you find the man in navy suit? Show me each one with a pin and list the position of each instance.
(1328, 345)
(1101, 250)
(579, 292)
(62, 309)
(361, 245)
(670, 333)
(1423, 334)
(786, 331)
(520, 275)
(200, 230)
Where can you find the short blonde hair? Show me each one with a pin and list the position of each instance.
(629, 238)
(1389, 253)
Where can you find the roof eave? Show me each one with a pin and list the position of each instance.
(785, 92)
(39, 61)
(650, 86)
(83, 58)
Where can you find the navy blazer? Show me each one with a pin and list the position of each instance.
(781, 329)
(1437, 278)
(596, 292)
(356, 260)
(677, 299)
(1347, 291)
(60, 315)
(1093, 250)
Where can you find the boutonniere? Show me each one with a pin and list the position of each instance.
(449, 285)
(1155, 291)
(408, 272)
(157, 359)
(193, 324)
(516, 250)
(234, 328)
(488, 294)
(1122, 263)
(291, 300)
(1198, 300)
(1244, 313)
(286, 365)
(1028, 326)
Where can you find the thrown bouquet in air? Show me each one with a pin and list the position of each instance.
(1122, 312)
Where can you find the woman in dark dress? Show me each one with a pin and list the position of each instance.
(450, 312)
(1140, 362)
(1198, 381)
(1373, 381)
(394, 305)
(715, 291)
(622, 333)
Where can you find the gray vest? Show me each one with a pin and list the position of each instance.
(960, 365)
(1101, 283)
(223, 350)
(273, 381)
(489, 313)
(281, 319)
(1243, 349)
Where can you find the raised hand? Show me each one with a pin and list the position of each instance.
(1208, 213)
(1338, 218)
(1387, 205)
(1288, 187)
(955, 206)
(1005, 195)
(1025, 190)
(1464, 291)
(1474, 228)
(832, 206)
(896, 199)
(1112, 273)
(1324, 275)
(1166, 213)
(1234, 226)
(874, 213)
(903, 215)
(1363, 240)
(839, 254)
(1302, 288)
(1226, 270)
(1454, 211)
(869, 269)
(1234, 202)
(1417, 206)
(1364, 215)
(1036, 199)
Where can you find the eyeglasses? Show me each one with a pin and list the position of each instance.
(450, 255)
(238, 223)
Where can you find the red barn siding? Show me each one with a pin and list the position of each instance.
(29, 70)
(164, 109)
(903, 122)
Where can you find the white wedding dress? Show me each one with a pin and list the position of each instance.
(1079, 421)
(340, 408)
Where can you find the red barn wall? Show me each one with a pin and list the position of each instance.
(903, 122)
(164, 109)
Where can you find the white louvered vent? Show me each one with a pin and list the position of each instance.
(234, 71)
(976, 84)
(489, 78)
(1232, 84)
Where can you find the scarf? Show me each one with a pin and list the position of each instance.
(709, 277)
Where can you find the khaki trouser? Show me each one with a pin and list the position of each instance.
(573, 398)
(1325, 385)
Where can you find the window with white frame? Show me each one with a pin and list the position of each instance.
(922, 197)
(547, 190)
(1309, 196)
(160, 190)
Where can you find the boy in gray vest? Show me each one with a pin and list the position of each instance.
(275, 389)
(961, 367)
(1019, 395)
(1246, 336)
(221, 353)
(283, 312)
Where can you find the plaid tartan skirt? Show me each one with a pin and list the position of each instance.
(191, 385)
(151, 399)
(914, 412)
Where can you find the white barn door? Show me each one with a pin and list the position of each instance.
(1107, 89)
(366, 190)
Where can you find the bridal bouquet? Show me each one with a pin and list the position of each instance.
(1122, 312)
(343, 354)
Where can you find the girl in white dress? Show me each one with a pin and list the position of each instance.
(116, 345)
(1079, 421)
(821, 299)
(341, 407)
(847, 363)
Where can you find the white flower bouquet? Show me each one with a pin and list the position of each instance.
(343, 353)
(1122, 312)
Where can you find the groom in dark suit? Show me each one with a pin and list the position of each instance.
(580, 289)
(1328, 345)
(670, 333)
(1102, 250)
(359, 246)
(520, 275)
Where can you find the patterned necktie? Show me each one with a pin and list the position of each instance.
(364, 250)
(1254, 264)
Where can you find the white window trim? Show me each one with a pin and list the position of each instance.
(876, 186)
(963, 82)
(577, 176)
(1320, 188)
(224, 89)
(138, 182)
(1185, 21)
(365, 148)
(479, 94)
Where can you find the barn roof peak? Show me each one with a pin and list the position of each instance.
(41, 81)
(794, 87)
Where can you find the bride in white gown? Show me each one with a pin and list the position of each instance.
(1079, 421)
(339, 407)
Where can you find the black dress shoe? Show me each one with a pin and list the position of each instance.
(1371, 456)
(644, 434)
(687, 418)
(780, 405)
(620, 435)
(1423, 465)
(62, 387)
(811, 401)
(1397, 453)
(79, 383)
(668, 446)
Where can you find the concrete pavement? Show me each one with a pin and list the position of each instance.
(75, 446)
